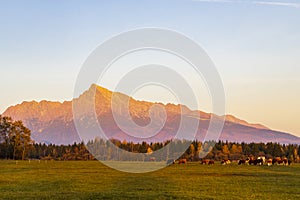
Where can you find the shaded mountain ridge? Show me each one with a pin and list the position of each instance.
(52, 122)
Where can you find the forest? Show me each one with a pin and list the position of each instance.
(110, 150)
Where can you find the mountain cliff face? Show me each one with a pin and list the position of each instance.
(53, 122)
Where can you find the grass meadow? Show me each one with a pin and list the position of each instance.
(93, 180)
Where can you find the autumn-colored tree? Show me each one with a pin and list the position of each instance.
(149, 150)
(5, 130)
(295, 154)
(234, 149)
(240, 149)
(225, 149)
(191, 151)
(14, 138)
(199, 148)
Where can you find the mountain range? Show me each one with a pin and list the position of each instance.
(53, 122)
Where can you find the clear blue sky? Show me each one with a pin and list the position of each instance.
(254, 44)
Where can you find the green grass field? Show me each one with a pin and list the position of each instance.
(92, 180)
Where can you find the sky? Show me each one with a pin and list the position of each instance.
(255, 46)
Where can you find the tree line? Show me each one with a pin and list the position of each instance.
(16, 143)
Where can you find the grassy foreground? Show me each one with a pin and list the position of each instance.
(92, 180)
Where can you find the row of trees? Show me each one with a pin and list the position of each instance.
(15, 143)
(235, 151)
(127, 151)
